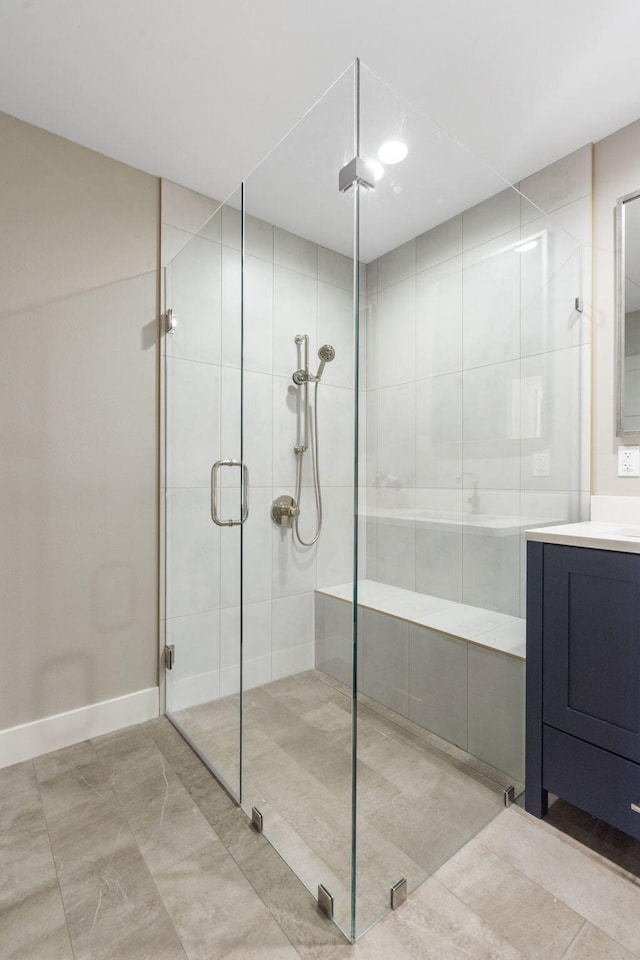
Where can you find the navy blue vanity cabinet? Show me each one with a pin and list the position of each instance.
(583, 681)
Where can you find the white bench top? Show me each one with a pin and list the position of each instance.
(486, 628)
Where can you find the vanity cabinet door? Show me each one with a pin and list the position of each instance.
(591, 646)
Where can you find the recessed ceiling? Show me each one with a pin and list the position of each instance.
(199, 91)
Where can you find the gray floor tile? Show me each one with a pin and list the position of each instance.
(34, 927)
(585, 883)
(435, 924)
(593, 944)
(70, 777)
(72, 840)
(536, 923)
(217, 913)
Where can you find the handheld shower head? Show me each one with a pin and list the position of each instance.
(326, 354)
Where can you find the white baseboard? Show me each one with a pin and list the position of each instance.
(64, 729)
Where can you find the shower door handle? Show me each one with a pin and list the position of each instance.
(244, 482)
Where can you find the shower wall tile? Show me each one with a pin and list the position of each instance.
(491, 425)
(295, 253)
(491, 565)
(369, 320)
(561, 182)
(258, 548)
(231, 222)
(258, 239)
(441, 243)
(396, 540)
(438, 558)
(438, 684)
(335, 546)
(258, 316)
(549, 318)
(256, 643)
(372, 539)
(292, 624)
(197, 643)
(231, 317)
(438, 431)
(335, 268)
(372, 277)
(195, 279)
(336, 436)
(258, 545)
(551, 433)
(491, 296)
(371, 457)
(295, 298)
(496, 710)
(334, 638)
(439, 319)
(193, 421)
(335, 326)
(258, 428)
(396, 319)
(396, 436)
(287, 427)
(384, 646)
(294, 566)
(193, 553)
(397, 265)
(492, 218)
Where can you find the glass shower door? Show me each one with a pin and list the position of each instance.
(204, 494)
(299, 403)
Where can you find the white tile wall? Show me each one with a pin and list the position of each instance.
(491, 356)
(291, 287)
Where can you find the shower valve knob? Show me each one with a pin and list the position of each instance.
(284, 511)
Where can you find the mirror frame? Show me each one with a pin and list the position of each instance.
(619, 248)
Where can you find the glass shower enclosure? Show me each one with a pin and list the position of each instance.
(367, 346)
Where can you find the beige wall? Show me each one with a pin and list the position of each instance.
(616, 172)
(78, 435)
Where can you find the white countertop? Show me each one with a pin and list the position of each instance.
(623, 537)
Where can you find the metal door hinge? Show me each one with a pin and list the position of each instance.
(169, 322)
(169, 655)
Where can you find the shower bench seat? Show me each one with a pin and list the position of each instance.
(452, 668)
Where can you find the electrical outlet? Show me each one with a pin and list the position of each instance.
(629, 461)
(541, 464)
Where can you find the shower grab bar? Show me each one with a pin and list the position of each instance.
(214, 492)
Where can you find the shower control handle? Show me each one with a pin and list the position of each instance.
(214, 492)
(285, 511)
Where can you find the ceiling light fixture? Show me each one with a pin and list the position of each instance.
(392, 152)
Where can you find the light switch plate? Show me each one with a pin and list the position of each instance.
(629, 461)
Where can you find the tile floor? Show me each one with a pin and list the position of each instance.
(419, 798)
(125, 847)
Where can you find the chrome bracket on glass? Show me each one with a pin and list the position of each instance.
(325, 901)
(356, 171)
(398, 893)
(257, 820)
(509, 796)
(214, 492)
